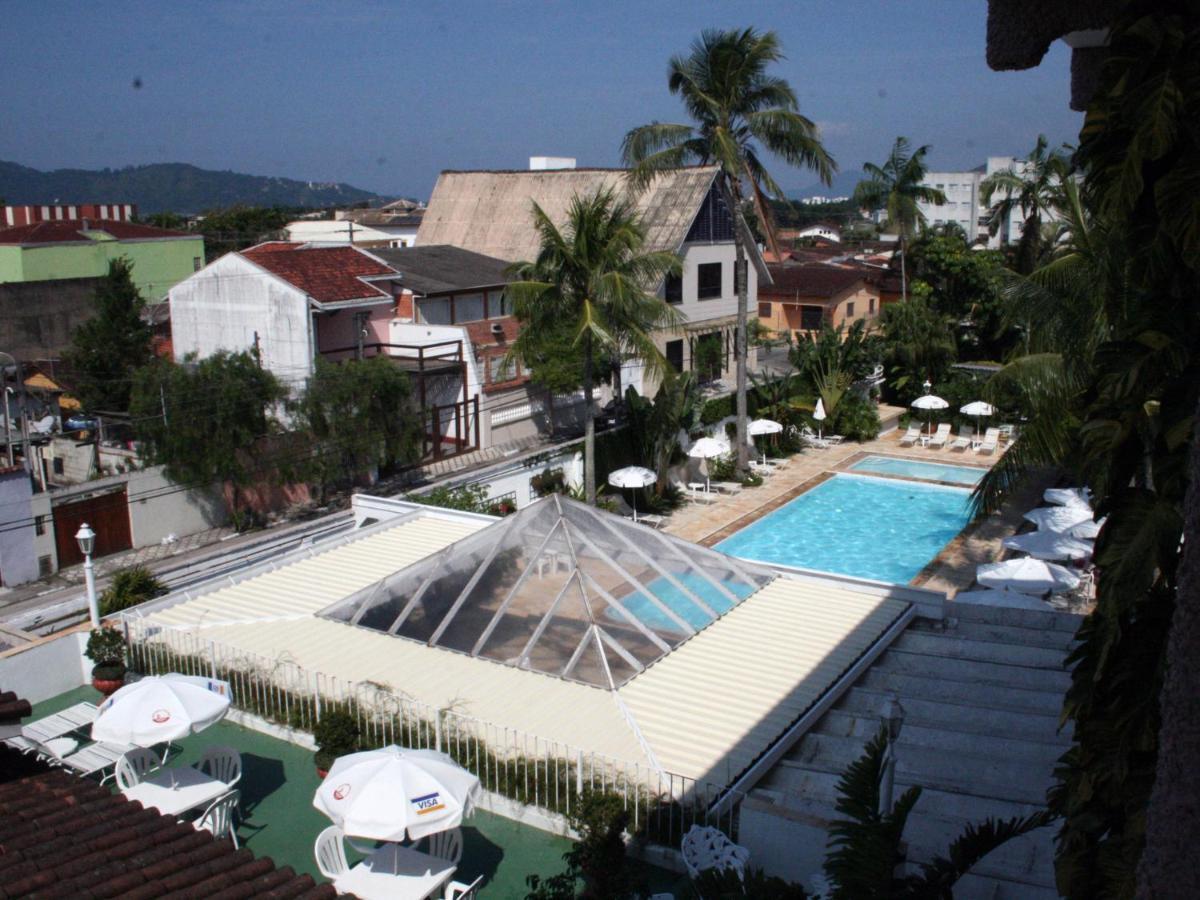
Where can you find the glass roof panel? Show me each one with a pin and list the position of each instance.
(559, 588)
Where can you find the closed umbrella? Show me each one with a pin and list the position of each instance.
(632, 477)
(1049, 545)
(1027, 575)
(707, 448)
(393, 793)
(930, 402)
(992, 597)
(1077, 521)
(979, 409)
(819, 415)
(763, 426)
(161, 708)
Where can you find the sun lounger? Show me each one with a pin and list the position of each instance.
(966, 435)
(759, 469)
(726, 487)
(990, 438)
(940, 436)
(654, 520)
(695, 491)
(911, 436)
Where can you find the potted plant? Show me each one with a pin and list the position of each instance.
(106, 648)
(336, 735)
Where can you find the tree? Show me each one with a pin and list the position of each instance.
(204, 420)
(675, 408)
(833, 359)
(555, 363)
(107, 349)
(917, 345)
(896, 188)
(591, 277)
(598, 859)
(736, 107)
(358, 415)
(1034, 188)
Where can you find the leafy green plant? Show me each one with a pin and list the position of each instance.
(467, 497)
(130, 587)
(106, 648)
(856, 419)
(597, 859)
(548, 481)
(336, 734)
(725, 884)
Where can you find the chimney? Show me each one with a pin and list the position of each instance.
(542, 163)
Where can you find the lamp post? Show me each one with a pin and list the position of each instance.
(892, 718)
(87, 543)
(927, 385)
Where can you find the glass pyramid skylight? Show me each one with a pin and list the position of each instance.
(560, 588)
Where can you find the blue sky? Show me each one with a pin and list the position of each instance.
(386, 94)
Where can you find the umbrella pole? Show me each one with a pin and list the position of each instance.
(635, 504)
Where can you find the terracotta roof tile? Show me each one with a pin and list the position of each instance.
(12, 709)
(327, 274)
(812, 280)
(59, 232)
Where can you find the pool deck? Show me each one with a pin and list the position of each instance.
(952, 570)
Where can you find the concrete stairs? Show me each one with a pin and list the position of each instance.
(982, 692)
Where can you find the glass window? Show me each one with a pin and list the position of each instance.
(764, 310)
(502, 369)
(674, 354)
(468, 308)
(708, 281)
(850, 310)
(434, 312)
(673, 289)
(811, 318)
(871, 305)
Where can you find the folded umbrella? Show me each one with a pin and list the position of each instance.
(1027, 575)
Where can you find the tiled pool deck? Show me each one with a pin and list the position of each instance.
(278, 819)
(952, 570)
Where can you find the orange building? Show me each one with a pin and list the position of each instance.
(806, 297)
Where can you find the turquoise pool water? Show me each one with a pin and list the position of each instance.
(915, 468)
(678, 602)
(856, 525)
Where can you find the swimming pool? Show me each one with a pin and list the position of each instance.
(679, 603)
(915, 468)
(878, 528)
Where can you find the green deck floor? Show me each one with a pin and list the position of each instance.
(278, 819)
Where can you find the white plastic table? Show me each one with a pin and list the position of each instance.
(175, 791)
(396, 872)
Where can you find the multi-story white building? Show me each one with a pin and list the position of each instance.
(964, 204)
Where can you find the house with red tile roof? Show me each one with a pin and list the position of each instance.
(806, 297)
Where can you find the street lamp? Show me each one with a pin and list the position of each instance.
(892, 718)
(927, 385)
(87, 543)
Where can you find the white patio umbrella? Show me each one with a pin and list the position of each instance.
(632, 477)
(707, 448)
(393, 793)
(760, 427)
(1073, 520)
(930, 402)
(819, 415)
(161, 708)
(1027, 575)
(979, 409)
(1050, 545)
(1079, 496)
(993, 597)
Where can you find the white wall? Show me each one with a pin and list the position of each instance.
(45, 669)
(338, 232)
(158, 508)
(695, 310)
(18, 559)
(222, 306)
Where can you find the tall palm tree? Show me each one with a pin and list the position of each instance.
(896, 187)
(1035, 188)
(591, 276)
(737, 111)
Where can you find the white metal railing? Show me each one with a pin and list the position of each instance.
(546, 774)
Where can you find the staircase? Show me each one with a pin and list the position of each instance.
(981, 694)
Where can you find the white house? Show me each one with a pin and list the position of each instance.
(490, 212)
(393, 225)
(964, 204)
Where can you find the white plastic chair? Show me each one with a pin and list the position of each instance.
(447, 845)
(221, 763)
(708, 848)
(134, 766)
(330, 852)
(911, 436)
(218, 819)
(456, 890)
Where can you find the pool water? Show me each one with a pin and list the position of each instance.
(915, 468)
(876, 528)
(678, 602)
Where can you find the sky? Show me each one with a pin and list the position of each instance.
(384, 95)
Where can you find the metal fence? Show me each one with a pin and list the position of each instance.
(545, 774)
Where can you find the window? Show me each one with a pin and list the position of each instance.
(468, 308)
(764, 310)
(673, 289)
(45, 566)
(850, 310)
(811, 318)
(434, 312)
(708, 281)
(871, 305)
(58, 465)
(197, 262)
(39, 525)
(713, 221)
(674, 354)
(501, 369)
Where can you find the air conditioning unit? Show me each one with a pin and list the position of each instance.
(497, 328)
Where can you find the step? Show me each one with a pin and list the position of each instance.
(950, 646)
(968, 671)
(997, 634)
(1048, 620)
(966, 716)
(1039, 700)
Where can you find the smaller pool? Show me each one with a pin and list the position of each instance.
(678, 602)
(915, 468)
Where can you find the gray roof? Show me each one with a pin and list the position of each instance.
(440, 269)
(492, 211)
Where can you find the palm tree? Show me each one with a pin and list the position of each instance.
(896, 188)
(590, 276)
(1035, 188)
(737, 110)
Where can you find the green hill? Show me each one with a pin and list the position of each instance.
(174, 187)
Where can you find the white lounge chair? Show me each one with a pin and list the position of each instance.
(759, 469)
(727, 487)
(990, 438)
(966, 434)
(940, 436)
(911, 436)
(654, 520)
(690, 491)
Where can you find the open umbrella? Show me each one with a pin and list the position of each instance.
(1049, 545)
(707, 448)
(763, 426)
(161, 708)
(992, 597)
(930, 402)
(1077, 521)
(632, 477)
(979, 409)
(1027, 575)
(393, 792)
(1080, 496)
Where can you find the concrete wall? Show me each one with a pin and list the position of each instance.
(18, 561)
(46, 668)
(157, 508)
(222, 306)
(37, 317)
(336, 330)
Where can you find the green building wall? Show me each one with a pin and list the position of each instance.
(158, 263)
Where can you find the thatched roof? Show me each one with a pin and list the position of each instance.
(490, 212)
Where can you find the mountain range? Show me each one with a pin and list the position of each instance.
(169, 187)
(843, 185)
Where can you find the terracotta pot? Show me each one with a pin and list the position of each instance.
(107, 686)
(322, 773)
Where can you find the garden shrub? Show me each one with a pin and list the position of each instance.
(856, 418)
(130, 587)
